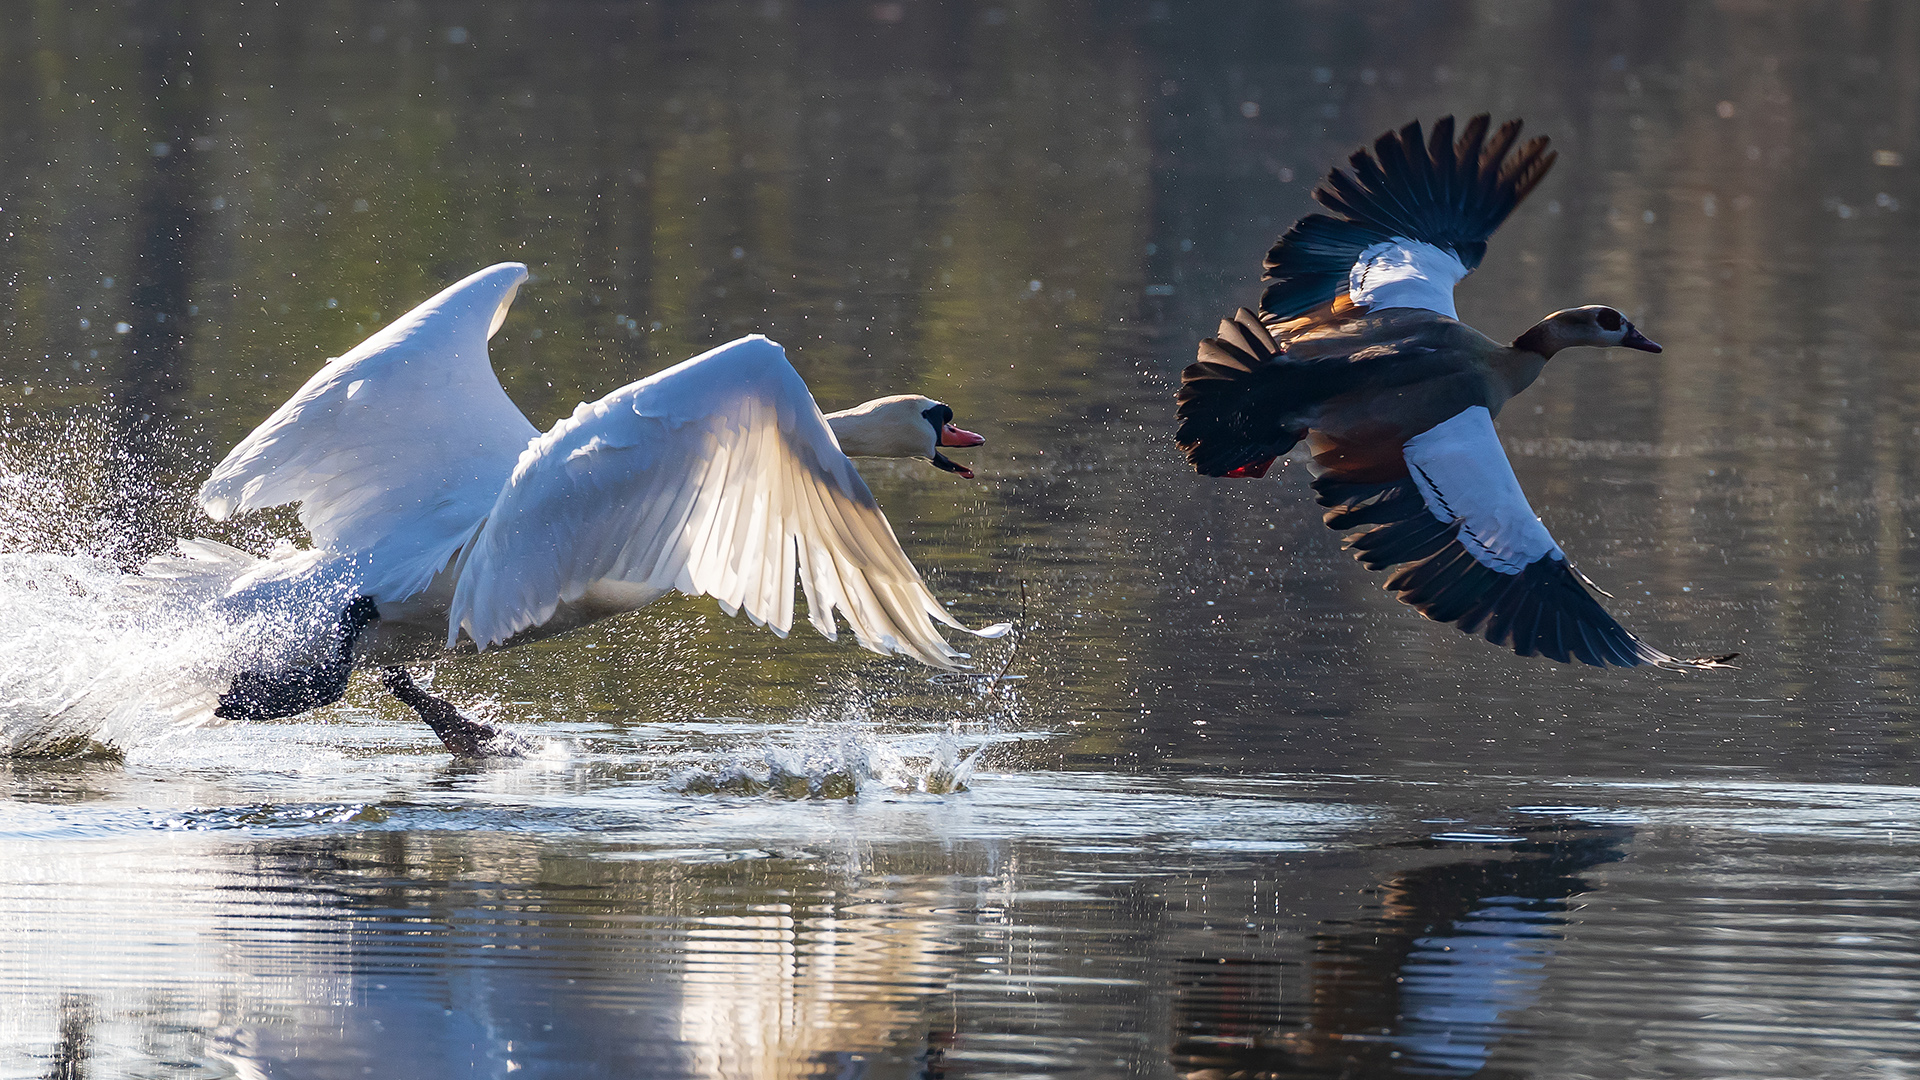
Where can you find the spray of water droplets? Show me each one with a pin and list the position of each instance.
(849, 755)
(100, 652)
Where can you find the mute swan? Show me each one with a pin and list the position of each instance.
(438, 512)
(1357, 350)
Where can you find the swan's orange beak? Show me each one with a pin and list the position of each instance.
(957, 436)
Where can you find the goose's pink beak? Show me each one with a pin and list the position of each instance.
(955, 436)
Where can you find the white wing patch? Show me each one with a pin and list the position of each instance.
(1406, 273)
(717, 476)
(1463, 474)
(396, 450)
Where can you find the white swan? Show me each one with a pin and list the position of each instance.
(428, 493)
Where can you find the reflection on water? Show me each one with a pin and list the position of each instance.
(1419, 987)
(573, 926)
(1242, 813)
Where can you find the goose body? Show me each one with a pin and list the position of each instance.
(428, 493)
(1357, 352)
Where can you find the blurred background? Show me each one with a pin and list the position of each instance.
(1240, 799)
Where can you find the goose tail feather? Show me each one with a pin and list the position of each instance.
(1243, 403)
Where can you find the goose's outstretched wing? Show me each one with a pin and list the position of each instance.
(396, 450)
(1408, 223)
(718, 476)
(1472, 552)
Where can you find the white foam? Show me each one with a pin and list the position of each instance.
(92, 655)
(839, 765)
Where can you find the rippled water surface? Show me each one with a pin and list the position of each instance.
(1232, 812)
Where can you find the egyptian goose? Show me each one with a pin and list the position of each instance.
(438, 512)
(1357, 350)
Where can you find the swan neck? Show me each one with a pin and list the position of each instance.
(854, 431)
(884, 427)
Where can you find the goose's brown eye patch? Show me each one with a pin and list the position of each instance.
(1609, 320)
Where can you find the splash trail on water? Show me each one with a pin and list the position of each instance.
(839, 765)
(99, 656)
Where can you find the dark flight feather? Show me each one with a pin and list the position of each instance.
(1449, 192)
(1542, 610)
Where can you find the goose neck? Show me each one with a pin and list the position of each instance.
(1543, 339)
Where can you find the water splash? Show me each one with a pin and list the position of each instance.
(840, 765)
(871, 737)
(95, 657)
(98, 657)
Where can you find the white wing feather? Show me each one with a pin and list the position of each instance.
(717, 476)
(396, 450)
(1406, 273)
(1462, 472)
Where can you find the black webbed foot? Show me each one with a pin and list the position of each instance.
(463, 737)
(253, 695)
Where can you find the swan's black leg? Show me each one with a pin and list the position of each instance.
(463, 737)
(256, 696)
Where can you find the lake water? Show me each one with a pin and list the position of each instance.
(1234, 812)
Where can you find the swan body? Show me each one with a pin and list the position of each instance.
(426, 490)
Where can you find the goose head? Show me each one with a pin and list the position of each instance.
(902, 426)
(1595, 325)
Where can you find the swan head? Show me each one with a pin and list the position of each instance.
(902, 426)
(1595, 325)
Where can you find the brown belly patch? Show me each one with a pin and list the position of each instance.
(1360, 457)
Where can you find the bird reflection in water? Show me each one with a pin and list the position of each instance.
(1417, 989)
(71, 1054)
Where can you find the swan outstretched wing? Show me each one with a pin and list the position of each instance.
(396, 450)
(718, 476)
